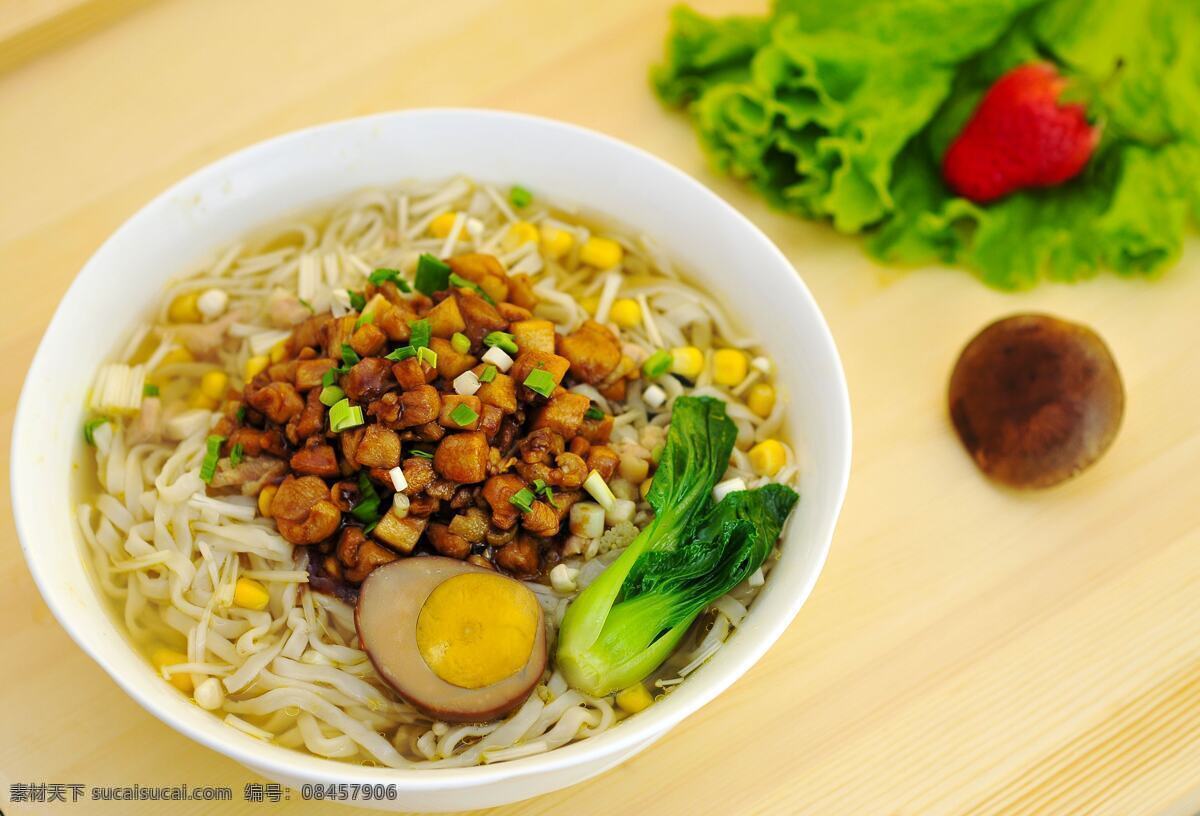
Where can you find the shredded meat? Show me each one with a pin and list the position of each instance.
(444, 465)
(279, 401)
(303, 511)
(593, 351)
(250, 475)
(368, 379)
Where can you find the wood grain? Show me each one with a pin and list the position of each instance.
(30, 28)
(967, 650)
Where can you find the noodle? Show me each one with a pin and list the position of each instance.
(168, 556)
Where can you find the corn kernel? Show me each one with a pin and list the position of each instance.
(184, 309)
(634, 699)
(687, 361)
(177, 355)
(250, 594)
(201, 400)
(169, 657)
(761, 399)
(645, 488)
(440, 227)
(767, 457)
(265, 497)
(519, 234)
(590, 303)
(602, 253)
(556, 242)
(626, 313)
(729, 367)
(213, 383)
(256, 365)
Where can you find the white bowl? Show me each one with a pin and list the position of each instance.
(720, 249)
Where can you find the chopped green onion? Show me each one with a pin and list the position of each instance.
(149, 390)
(307, 305)
(402, 353)
(657, 364)
(382, 276)
(463, 415)
(428, 356)
(208, 468)
(343, 415)
(545, 491)
(432, 275)
(89, 429)
(460, 342)
(331, 394)
(329, 377)
(488, 374)
(540, 381)
(422, 333)
(364, 319)
(357, 301)
(522, 499)
(241, 413)
(237, 454)
(461, 282)
(595, 485)
(367, 509)
(519, 196)
(422, 454)
(349, 356)
(502, 340)
(593, 413)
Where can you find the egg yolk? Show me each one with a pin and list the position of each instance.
(477, 629)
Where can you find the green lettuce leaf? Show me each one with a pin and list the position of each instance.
(841, 112)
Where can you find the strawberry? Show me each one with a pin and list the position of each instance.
(1020, 136)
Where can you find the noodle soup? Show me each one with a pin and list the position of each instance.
(446, 392)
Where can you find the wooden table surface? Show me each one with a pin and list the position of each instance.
(966, 651)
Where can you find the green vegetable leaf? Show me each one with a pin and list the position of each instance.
(627, 621)
(842, 112)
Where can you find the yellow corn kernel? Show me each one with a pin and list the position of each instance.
(634, 699)
(256, 365)
(177, 355)
(184, 309)
(590, 303)
(626, 313)
(761, 399)
(687, 361)
(729, 367)
(201, 400)
(556, 242)
(602, 253)
(767, 457)
(265, 497)
(519, 234)
(278, 352)
(213, 383)
(163, 657)
(440, 227)
(250, 594)
(645, 488)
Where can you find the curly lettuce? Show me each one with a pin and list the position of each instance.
(841, 112)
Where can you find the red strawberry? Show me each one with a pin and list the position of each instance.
(1020, 136)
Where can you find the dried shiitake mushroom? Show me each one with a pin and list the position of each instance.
(1035, 399)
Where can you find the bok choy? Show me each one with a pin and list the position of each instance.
(630, 619)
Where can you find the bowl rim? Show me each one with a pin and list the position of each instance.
(634, 733)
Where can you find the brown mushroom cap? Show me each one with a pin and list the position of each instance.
(389, 605)
(1035, 400)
